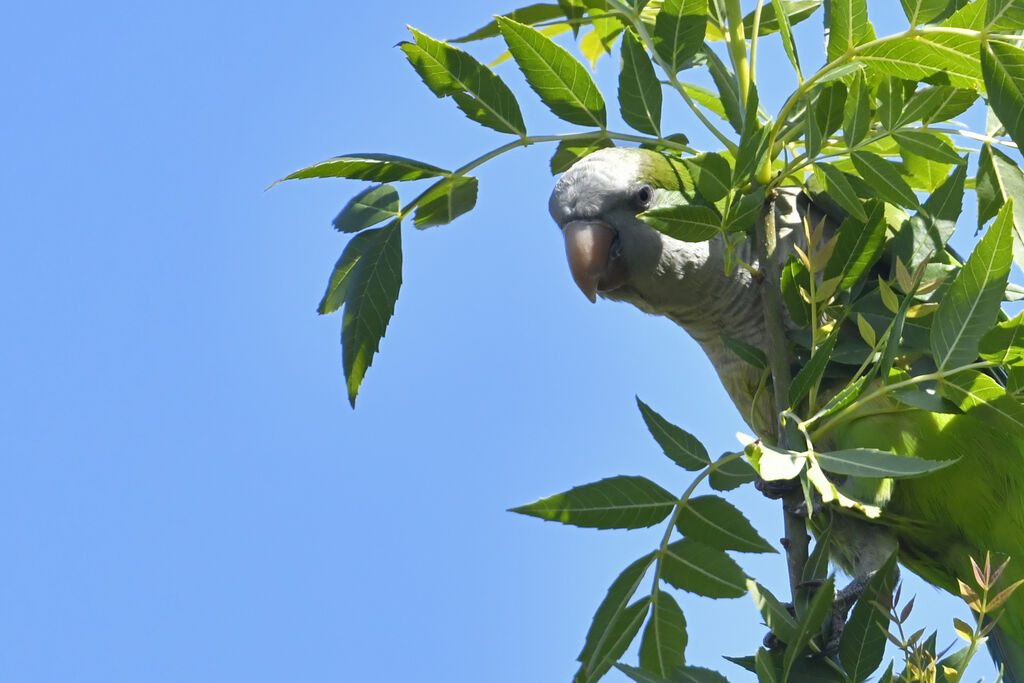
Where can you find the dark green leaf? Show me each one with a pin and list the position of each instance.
(810, 374)
(680, 446)
(999, 179)
(344, 269)
(810, 624)
(685, 222)
(927, 145)
(730, 473)
(890, 102)
(848, 26)
(924, 11)
(914, 58)
(744, 211)
(748, 353)
(371, 206)
(663, 645)
(445, 201)
(531, 14)
(868, 462)
(937, 103)
(478, 92)
(639, 675)
(1004, 343)
(793, 12)
(381, 168)
(883, 176)
(816, 568)
(728, 89)
(925, 401)
(971, 304)
(862, 644)
(857, 112)
(621, 634)
(780, 622)
(571, 151)
(639, 89)
(696, 674)
(839, 188)
(701, 569)
(765, 667)
(784, 22)
(858, 246)
(753, 147)
(985, 398)
(560, 81)
(679, 31)
(812, 132)
(711, 174)
(925, 234)
(371, 292)
(608, 612)
(795, 276)
(621, 502)
(714, 521)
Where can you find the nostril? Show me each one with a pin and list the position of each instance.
(616, 248)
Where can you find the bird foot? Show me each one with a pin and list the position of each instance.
(777, 489)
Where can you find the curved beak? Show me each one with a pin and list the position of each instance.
(588, 246)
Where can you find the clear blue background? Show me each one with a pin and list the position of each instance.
(185, 493)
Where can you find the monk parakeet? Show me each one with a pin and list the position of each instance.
(938, 521)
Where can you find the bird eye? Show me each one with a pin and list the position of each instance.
(643, 196)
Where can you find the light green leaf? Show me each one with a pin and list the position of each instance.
(711, 174)
(811, 373)
(371, 292)
(611, 608)
(381, 168)
(862, 644)
(701, 569)
(1004, 15)
(884, 178)
(622, 633)
(857, 111)
(663, 645)
(914, 58)
(849, 26)
(970, 306)
(937, 103)
(446, 200)
(925, 234)
(680, 446)
(1004, 343)
(982, 396)
(923, 11)
(890, 102)
(775, 614)
(810, 624)
(639, 89)
(1003, 67)
(371, 206)
(478, 92)
(531, 14)
(341, 278)
(858, 246)
(999, 179)
(868, 462)
(599, 41)
(561, 82)
(753, 147)
(785, 22)
(714, 521)
(744, 211)
(923, 175)
(685, 222)
(571, 151)
(927, 145)
(728, 89)
(839, 188)
(791, 11)
(705, 98)
(622, 502)
(679, 31)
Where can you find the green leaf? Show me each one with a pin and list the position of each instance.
(561, 82)
(971, 304)
(764, 667)
(728, 474)
(714, 521)
(639, 675)
(791, 11)
(795, 276)
(663, 645)
(810, 624)
(839, 188)
(812, 132)
(1003, 67)
(923, 11)
(954, 57)
(848, 26)
(531, 14)
(884, 178)
(890, 102)
(925, 234)
(692, 566)
(679, 31)
(816, 569)
(777, 617)
(711, 174)
(999, 179)
(639, 89)
(784, 22)
(857, 111)
(621, 502)
(571, 151)
(748, 353)
(937, 103)
(927, 145)
(680, 446)
(1004, 343)
(697, 674)
(445, 200)
(371, 206)
(811, 373)
(684, 222)
(868, 462)
(623, 631)
(744, 211)
(381, 168)
(478, 92)
(858, 246)
(862, 644)
(706, 98)
(982, 396)
(371, 292)
(344, 269)
(611, 608)
(728, 90)
(1004, 15)
(925, 401)
(753, 147)
(844, 398)
(599, 41)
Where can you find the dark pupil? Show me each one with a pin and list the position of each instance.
(644, 195)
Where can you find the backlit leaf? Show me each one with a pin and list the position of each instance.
(623, 502)
(884, 178)
(445, 201)
(371, 206)
(685, 222)
(679, 31)
(639, 89)
(679, 445)
(848, 28)
(868, 462)
(1003, 66)
(381, 168)
(608, 612)
(701, 569)
(663, 645)
(716, 522)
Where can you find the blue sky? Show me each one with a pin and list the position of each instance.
(186, 495)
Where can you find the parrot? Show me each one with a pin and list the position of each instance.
(935, 523)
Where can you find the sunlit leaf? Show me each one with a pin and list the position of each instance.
(923, 11)
(982, 396)
(679, 31)
(373, 205)
(857, 112)
(937, 103)
(445, 201)
(792, 13)
(571, 151)
(927, 145)
(999, 178)
(531, 14)
(623, 502)
(868, 462)
(890, 102)
(685, 222)
(1004, 15)
(1004, 343)
(692, 566)
(858, 246)
(728, 90)
(914, 58)
(711, 174)
(883, 176)
(839, 188)
(1003, 67)
(381, 168)
(848, 28)
(716, 522)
